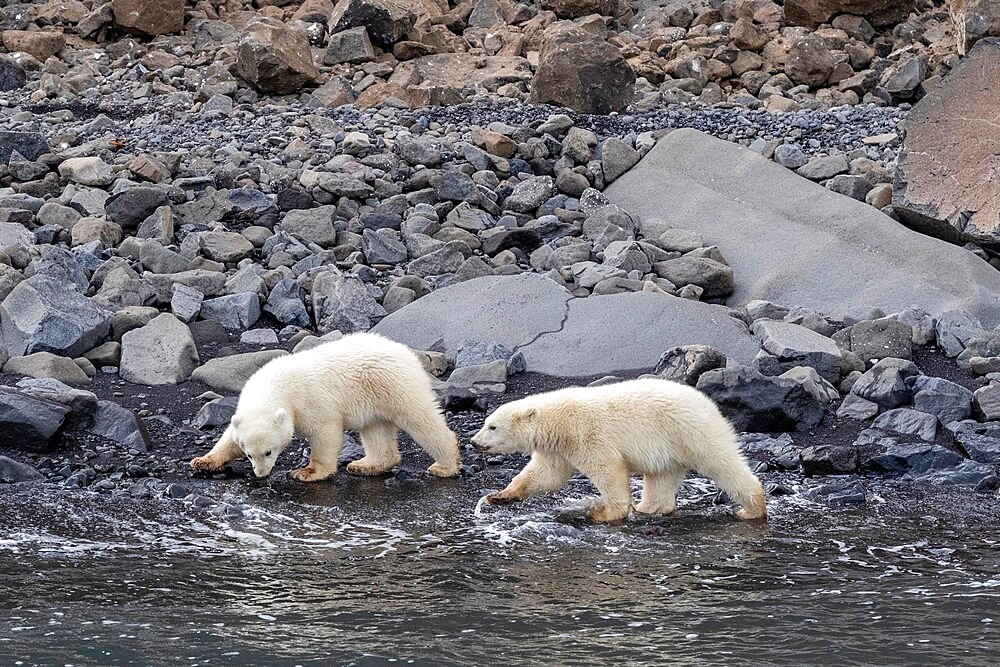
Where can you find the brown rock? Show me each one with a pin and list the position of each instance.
(809, 61)
(810, 13)
(39, 44)
(152, 18)
(441, 79)
(387, 21)
(945, 181)
(582, 71)
(573, 9)
(500, 144)
(975, 19)
(746, 35)
(314, 11)
(274, 57)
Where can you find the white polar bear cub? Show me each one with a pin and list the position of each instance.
(655, 427)
(362, 382)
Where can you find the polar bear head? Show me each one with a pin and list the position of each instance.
(262, 436)
(511, 428)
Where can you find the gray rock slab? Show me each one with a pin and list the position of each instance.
(229, 374)
(562, 336)
(810, 247)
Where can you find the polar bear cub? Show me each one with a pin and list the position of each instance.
(362, 382)
(658, 428)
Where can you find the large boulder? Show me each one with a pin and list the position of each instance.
(755, 402)
(344, 303)
(29, 423)
(440, 79)
(41, 315)
(795, 345)
(30, 145)
(562, 336)
(387, 21)
(229, 374)
(974, 19)
(161, 352)
(151, 18)
(582, 71)
(944, 183)
(274, 57)
(810, 13)
(729, 194)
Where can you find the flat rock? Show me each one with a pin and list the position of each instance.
(229, 374)
(12, 472)
(944, 182)
(29, 423)
(47, 365)
(729, 193)
(119, 425)
(41, 315)
(562, 336)
(160, 353)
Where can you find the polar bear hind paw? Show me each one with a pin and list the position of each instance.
(368, 468)
(649, 508)
(439, 470)
(310, 474)
(601, 513)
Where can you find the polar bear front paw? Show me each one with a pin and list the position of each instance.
(501, 498)
(645, 507)
(311, 474)
(602, 513)
(369, 468)
(439, 470)
(207, 462)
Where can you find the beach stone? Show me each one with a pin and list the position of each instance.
(726, 192)
(823, 167)
(974, 20)
(216, 413)
(131, 207)
(286, 304)
(900, 458)
(967, 474)
(344, 304)
(41, 315)
(30, 145)
(160, 353)
(387, 21)
(982, 448)
(824, 392)
(986, 401)
(236, 312)
(617, 157)
(795, 345)
(809, 62)
(954, 328)
(829, 460)
(12, 75)
(28, 423)
(877, 339)
(314, 225)
(151, 18)
(715, 278)
(47, 365)
(908, 421)
(886, 383)
(940, 181)
(229, 374)
(582, 71)
(119, 425)
(946, 400)
(790, 156)
(687, 363)
(81, 402)
(92, 171)
(349, 46)
(275, 57)
(14, 472)
(811, 13)
(755, 402)
(855, 407)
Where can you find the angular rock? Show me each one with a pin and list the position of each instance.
(582, 71)
(215, 414)
(810, 13)
(274, 57)
(225, 246)
(986, 401)
(344, 303)
(160, 353)
(92, 171)
(968, 474)
(855, 407)
(151, 18)
(829, 460)
(387, 21)
(795, 345)
(349, 46)
(886, 383)
(47, 365)
(910, 422)
(41, 315)
(81, 403)
(229, 374)
(946, 400)
(14, 472)
(119, 425)
(236, 312)
(29, 423)
(131, 207)
(974, 19)
(286, 304)
(12, 75)
(943, 184)
(810, 62)
(687, 363)
(30, 145)
(901, 458)
(754, 402)
(715, 278)
(877, 339)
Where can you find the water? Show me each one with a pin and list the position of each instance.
(360, 573)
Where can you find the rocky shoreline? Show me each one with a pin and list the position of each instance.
(222, 190)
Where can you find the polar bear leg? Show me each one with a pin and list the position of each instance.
(225, 450)
(734, 476)
(545, 473)
(324, 450)
(430, 431)
(379, 440)
(610, 476)
(659, 491)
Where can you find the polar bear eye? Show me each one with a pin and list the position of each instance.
(492, 428)
(267, 453)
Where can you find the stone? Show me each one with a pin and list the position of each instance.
(344, 304)
(275, 57)
(811, 13)
(829, 460)
(13, 233)
(529, 194)
(806, 376)
(986, 401)
(47, 365)
(946, 400)
(28, 423)
(823, 167)
(159, 225)
(617, 157)
(939, 182)
(387, 21)
(968, 474)
(105, 232)
(809, 62)
(754, 402)
(903, 80)
(150, 18)
(446, 259)
(229, 374)
(37, 43)
(795, 345)
(910, 422)
(715, 278)
(562, 336)
(382, 248)
(886, 383)
(285, 303)
(855, 407)
(790, 156)
(314, 225)
(974, 19)
(236, 312)
(92, 171)
(131, 207)
(900, 458)
(687, 363)
(225, 246)
(349, 46)
(981, 448)
(41, 315)
(877, 339)
(119, 425)
(12, 75)
(726, 192)
(489, 373)
(30, 145)
(14, 472)
(582, 71)
(443, 79)
(160, 353)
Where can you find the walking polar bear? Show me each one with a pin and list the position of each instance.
(655, 427)
(362, 382)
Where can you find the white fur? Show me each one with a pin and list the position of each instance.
(362, 382)
(658, 428)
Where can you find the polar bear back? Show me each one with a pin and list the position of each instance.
(651, 423)
(359, 378)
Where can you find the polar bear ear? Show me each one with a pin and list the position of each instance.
(281, 416)
(530, 414)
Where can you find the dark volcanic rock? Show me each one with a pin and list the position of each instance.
(829, 460)
(754, 402)
(810, 13)
(29, 144)
(29, 423)
(12, 76)
(12, 472)
(120, 425)
(687, 363)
